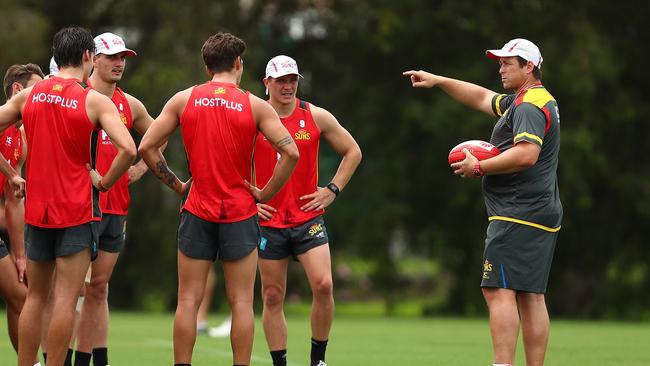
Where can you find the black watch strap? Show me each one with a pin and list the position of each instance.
(334, 188)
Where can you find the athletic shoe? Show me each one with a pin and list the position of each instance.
(319, 363)
(221, 331)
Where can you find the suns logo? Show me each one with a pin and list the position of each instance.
(487, 268)
(315, 229)
(57, 87)
(123, 118)
(302, 135)
(219, 91)
(16, 154)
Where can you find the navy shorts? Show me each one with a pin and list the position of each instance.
(292, 241)
(112, 233)
(517, 257)
(46, 244)
(202, 239)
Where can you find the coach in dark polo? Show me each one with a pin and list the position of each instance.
(521, 195)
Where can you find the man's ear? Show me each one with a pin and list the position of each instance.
(16, 87)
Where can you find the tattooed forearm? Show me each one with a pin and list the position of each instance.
(284, 141)
(165, 174)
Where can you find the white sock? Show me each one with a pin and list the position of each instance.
(202, 325)
(37, 364)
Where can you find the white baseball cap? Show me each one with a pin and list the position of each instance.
(518, 47)
(280, 66)
(111, 44)
(54, 68)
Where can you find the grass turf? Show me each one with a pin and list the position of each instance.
(146, 339)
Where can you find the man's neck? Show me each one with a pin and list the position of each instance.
(530, 82)
(71, 73)
(108, 89)
(284, 110)
(225, 77)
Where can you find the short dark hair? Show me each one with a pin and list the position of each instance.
(220, 51)
(20, 74)
(69, 45)
(537, 72)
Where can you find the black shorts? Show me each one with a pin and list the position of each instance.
(517, 257)
(292, 241)
(201, 239)
(46, 244)
(3, 249)
(112, 233)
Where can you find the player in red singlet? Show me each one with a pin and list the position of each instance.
(13, 286)
(60, 116)
(219, 123)
(109, 64)
(292, 222)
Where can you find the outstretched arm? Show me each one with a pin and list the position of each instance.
(471, 95)
(155, 137)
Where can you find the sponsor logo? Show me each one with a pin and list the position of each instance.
(487, 269)
(8, 141)
(302, 135)
(57, 87)
(219, 90)
(55, 99)
(218, 102)
(316, 229)
(105, 139)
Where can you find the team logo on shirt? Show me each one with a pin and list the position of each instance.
(8, 141)
(123, 118)
(302, 135)
(57, 87)
(487, 269)
(219, 90)
(16, 154)
(315, 229)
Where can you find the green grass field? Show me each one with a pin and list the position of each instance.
(145, 339)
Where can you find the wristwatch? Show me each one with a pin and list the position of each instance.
(334, 188)
(477, 169)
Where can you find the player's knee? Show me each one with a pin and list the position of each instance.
(97, 289)
(273, 297)
(15, 302)
(324, 288)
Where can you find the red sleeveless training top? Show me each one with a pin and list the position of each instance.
(304, 179)
(11, 148)
(117, 199)
(59, 192)
(219, 132)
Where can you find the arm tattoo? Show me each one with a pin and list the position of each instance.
(284, 141)
(165, 174)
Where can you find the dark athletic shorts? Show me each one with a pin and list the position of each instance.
(45, 244)
(201, 239)
(112, 233)
(292, 241)
(517, 257)
(3, 249)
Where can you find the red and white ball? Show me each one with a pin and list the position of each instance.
(481, 149)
